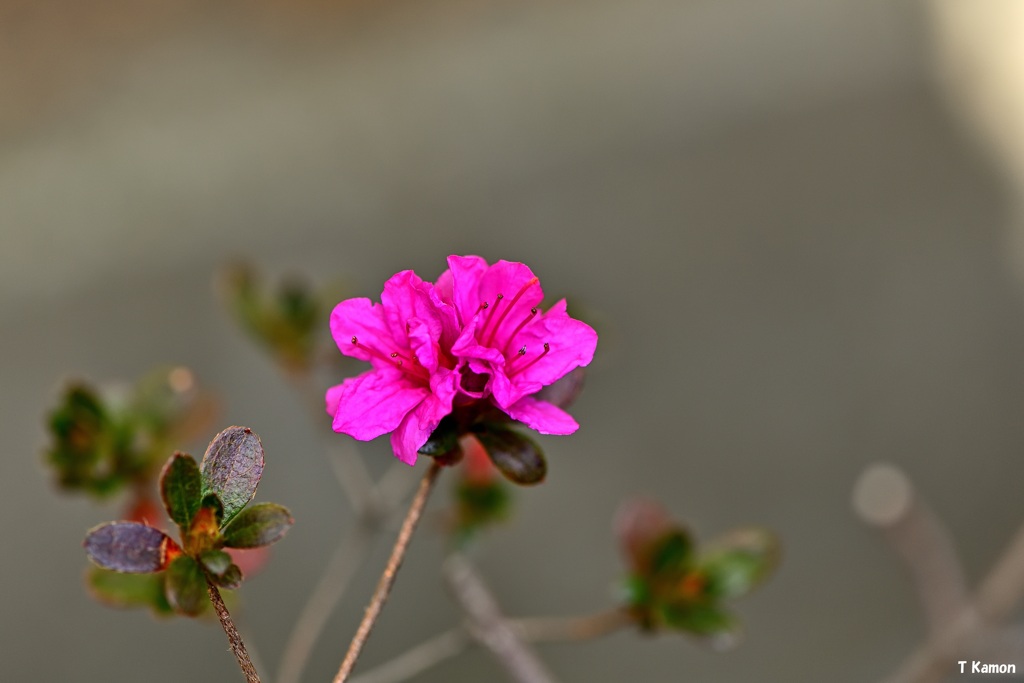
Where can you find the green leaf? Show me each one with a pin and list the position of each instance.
(700, 618)
(739, 561)
(257, 526)
(129, 547)
(516, 456)
(232, 468)
(671, 554)
(230, 579)
(186, 586)
(443, 440)
(181, 488)
(128, 590)
(480, 503)
(215, 561)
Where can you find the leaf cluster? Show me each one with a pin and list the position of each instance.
(673, 584)
(208, 503)
(101, 444)
(284, 319)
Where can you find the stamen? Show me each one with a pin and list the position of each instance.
(490, 338)
(520, 326)
(490, 316)
(515, 371)
(395, 358)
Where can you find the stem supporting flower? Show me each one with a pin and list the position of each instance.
(387, 578)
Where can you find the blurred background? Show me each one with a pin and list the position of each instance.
(794, 222)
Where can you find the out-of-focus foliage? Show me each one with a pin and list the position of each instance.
(104, 441)
(288, 320)
(673, 584)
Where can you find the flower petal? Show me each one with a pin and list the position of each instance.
(406, 297)
(363, 320)
(420, 423)
(570, 344)
(375, 403)
(542, 416)
(466, 272)
(333, 398)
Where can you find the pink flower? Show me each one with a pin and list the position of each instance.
(412, 383)
(508, 348)
(475, 339)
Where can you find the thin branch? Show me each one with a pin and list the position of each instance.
(570, 629)
(957, 623)
(235, 640)
(489, 628)
(454, 641)
(347, 558)
(418, 659)
(885, 497)
(387, 579)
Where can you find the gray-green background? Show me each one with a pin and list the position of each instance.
(795, 256)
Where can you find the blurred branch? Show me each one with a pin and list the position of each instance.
(957, 624)
(885, 498)
(487, 626)
(420, 658)
(455, 641)
(347, 558)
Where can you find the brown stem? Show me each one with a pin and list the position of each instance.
(234, 638)
(387, 579)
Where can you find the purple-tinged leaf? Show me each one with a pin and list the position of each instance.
(257, 526)
(181, 488)
(232, 468)
(130, 547)
(186, 586)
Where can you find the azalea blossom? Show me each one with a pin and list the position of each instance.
(478, 338)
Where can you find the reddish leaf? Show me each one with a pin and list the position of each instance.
(130, 547)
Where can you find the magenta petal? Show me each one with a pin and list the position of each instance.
(509, 278)
(363, 320)
(466, 273)
(407, 297)
(542, 416)
(333, 398)
(421, 422)
(375, 403)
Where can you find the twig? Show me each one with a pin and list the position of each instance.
(885, 497)
(489, 628)
(957, 623)
(418, 659)
(455, 641)
(387, 579)
(347, 558)
(570, 629)
(235, 640)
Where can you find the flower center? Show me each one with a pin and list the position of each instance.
(413, 369)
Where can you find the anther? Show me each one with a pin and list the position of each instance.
(515, 371)
(522, 351)
(355, 340)
(490, 337)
